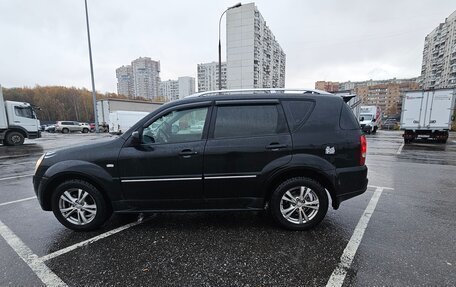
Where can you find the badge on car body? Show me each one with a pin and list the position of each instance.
(330, 150)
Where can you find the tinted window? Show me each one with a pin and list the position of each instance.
(176, 127)
(297, 112)
(347, 119)
(25, 112)
(245, 121)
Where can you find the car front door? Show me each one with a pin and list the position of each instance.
(164, 170)
(246, 138)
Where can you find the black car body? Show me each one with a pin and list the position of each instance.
(227, 151)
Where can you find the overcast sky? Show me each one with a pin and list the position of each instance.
(45, 42)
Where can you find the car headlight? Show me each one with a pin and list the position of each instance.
(38, 162)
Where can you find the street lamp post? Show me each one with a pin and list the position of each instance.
(94, 96)
(220, 46)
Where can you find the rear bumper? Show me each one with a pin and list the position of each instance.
(351, 181)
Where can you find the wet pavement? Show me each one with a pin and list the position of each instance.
(409, 239)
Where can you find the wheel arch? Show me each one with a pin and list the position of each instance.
(58, 179)
(324, 179)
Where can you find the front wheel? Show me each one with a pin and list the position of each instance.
(299, 203)
(79, 205)
(14, 138)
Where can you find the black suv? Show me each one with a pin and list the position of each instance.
(274, 150)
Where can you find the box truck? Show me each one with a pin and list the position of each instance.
(427, 114)
(17, 122)
(370, 118)
(121, 121)
(107, 106)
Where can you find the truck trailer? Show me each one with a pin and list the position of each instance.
(18, 121)
(107, 106)
(427, 114)
(121, 121)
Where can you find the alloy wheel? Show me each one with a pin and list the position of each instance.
(77, 206)
(299, 205)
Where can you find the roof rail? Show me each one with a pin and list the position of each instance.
(259, 91)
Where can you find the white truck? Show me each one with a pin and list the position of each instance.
(370, 118)
(121, 121)
(107, 106)
(17, 122)
(428, 114)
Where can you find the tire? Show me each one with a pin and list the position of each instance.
(84, 131)
(81, 215)
(65, 131)
(297, 192)
(14, 138)
(374, 131)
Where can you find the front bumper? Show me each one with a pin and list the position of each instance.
(39, 184)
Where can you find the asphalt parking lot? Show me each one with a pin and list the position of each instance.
(401, 232)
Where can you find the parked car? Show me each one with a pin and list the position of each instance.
(70, 126)
(92, 127)
(273, 150)
(390, 124)
(50, 129)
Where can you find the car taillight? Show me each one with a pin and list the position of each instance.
(362, 150)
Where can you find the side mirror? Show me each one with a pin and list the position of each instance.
(135, 138)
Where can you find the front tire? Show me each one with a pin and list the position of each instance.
(14, 138)
(79, 205)
(299, 203)
(65, 131)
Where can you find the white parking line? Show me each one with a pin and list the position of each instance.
(89, 241)
(14, 177)
(338, 276)
(43, 272)
(400, 149)
(15, 201)
(382, 187)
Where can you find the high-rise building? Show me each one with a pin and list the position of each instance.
(125, 85)
(208, 79)
(146, 77)
(438, 69)
(173, 90)
(140, 79)
(254, 57)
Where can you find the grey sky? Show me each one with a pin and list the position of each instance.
(44, 42)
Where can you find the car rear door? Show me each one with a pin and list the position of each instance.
(246, 138)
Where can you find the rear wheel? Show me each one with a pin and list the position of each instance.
(65, 130)
(14, 138)
(299, 203)
(85, 130)
(79, 205)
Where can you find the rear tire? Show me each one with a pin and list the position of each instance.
(14, 138)
(65, 131)
(79, 205)
(84, 131)
(299, 203)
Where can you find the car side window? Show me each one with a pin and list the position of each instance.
(248, 120)
(176, 127)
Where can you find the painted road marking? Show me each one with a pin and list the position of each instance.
(338, 276)
(382, 187)
(15, 201)
(37, 265)
(91, 240)
(399, 150)
(14, 177)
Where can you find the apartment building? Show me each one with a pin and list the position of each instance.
(172, 90)
(327, 86)
(208, 78)
(253, 55)
(387, 94)
(125, 85)
(438, 68)
(140, 79)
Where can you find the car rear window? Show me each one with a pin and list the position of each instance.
(248, 120)
(298, 111)
(348, 120)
